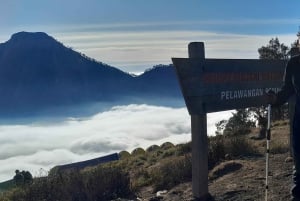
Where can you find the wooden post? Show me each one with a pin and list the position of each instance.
(199, 140)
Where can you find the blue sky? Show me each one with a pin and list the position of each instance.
(136, 34)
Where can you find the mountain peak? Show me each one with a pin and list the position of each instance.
(29, 35)
(31, 38)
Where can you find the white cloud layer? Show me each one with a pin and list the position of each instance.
(134, 51)
(35, 146)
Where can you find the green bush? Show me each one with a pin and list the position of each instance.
(184, 149)
(166, 145)
(124, 155)
(101, 184)
(172, 172)
(106, 183)
(234, 146)
(169, 152)
(140, 178)
(138, 151)
(239, 146)
(152, 148)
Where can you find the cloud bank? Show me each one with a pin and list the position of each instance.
(41, 146)
(136, 46)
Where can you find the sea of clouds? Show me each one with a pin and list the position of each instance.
(39, 146)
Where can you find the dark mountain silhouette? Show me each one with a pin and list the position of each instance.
(38, 72)
(160, 86)
(162, 78)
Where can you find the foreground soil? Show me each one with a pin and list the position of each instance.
(242, 179)
(248, 183)
(244, 184)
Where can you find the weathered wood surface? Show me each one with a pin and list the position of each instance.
(211, 85)
(199, 139)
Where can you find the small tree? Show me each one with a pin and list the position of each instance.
(221, 126)
(274, 50)
(18, 178)
(239, 124)
(21, 178)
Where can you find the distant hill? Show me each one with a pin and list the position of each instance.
(161, 79)
(38, 72)
(6, 185)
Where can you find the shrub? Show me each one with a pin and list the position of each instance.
(172, 172)
(140, 178)
(106, 183)
(277, 147)
(168, 153)
(16, 194)
(216, 150)
(184, 148)
(219, 146)
(239, 146)
(152, 148)
(166, 145)
(138, 151)
(124, 155)
(101, 183)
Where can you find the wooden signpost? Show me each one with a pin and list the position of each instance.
(211, 85)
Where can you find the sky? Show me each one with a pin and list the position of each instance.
(134, 35)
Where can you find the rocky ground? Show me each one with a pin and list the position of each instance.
(242, 179)
(246, 183)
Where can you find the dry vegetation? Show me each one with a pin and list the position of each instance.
(167, 167)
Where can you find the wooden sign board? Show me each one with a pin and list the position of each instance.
(211, 85)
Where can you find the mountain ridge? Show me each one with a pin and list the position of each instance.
(37, 71)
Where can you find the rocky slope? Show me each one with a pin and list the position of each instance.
(242, 179)
(245, 184)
